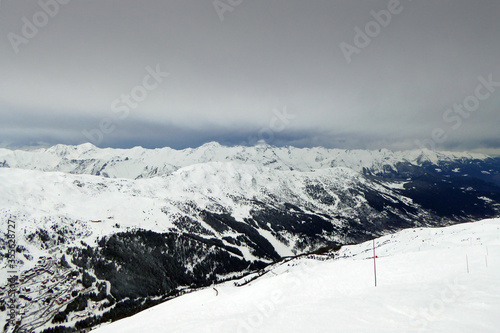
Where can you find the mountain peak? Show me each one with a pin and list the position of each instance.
(211, 145)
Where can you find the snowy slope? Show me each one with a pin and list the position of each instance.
(144, 163)
(423, 286)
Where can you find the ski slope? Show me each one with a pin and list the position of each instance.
(423, 286)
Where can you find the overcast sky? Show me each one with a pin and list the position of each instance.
(291, 72)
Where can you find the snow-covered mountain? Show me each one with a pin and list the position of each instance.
(422, 286)
(135, 227)
(144, 163)
(292, 211)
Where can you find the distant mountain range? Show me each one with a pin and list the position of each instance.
(145, 163)
(137, 226)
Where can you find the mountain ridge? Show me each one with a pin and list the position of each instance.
(139, 162)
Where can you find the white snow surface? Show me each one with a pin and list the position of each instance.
(423, 286)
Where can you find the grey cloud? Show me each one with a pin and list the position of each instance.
(227, 77)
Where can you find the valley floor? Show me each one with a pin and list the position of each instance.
(423, 286)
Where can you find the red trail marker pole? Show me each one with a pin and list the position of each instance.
(374, 263)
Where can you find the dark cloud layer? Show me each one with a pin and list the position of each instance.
(75, 67)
